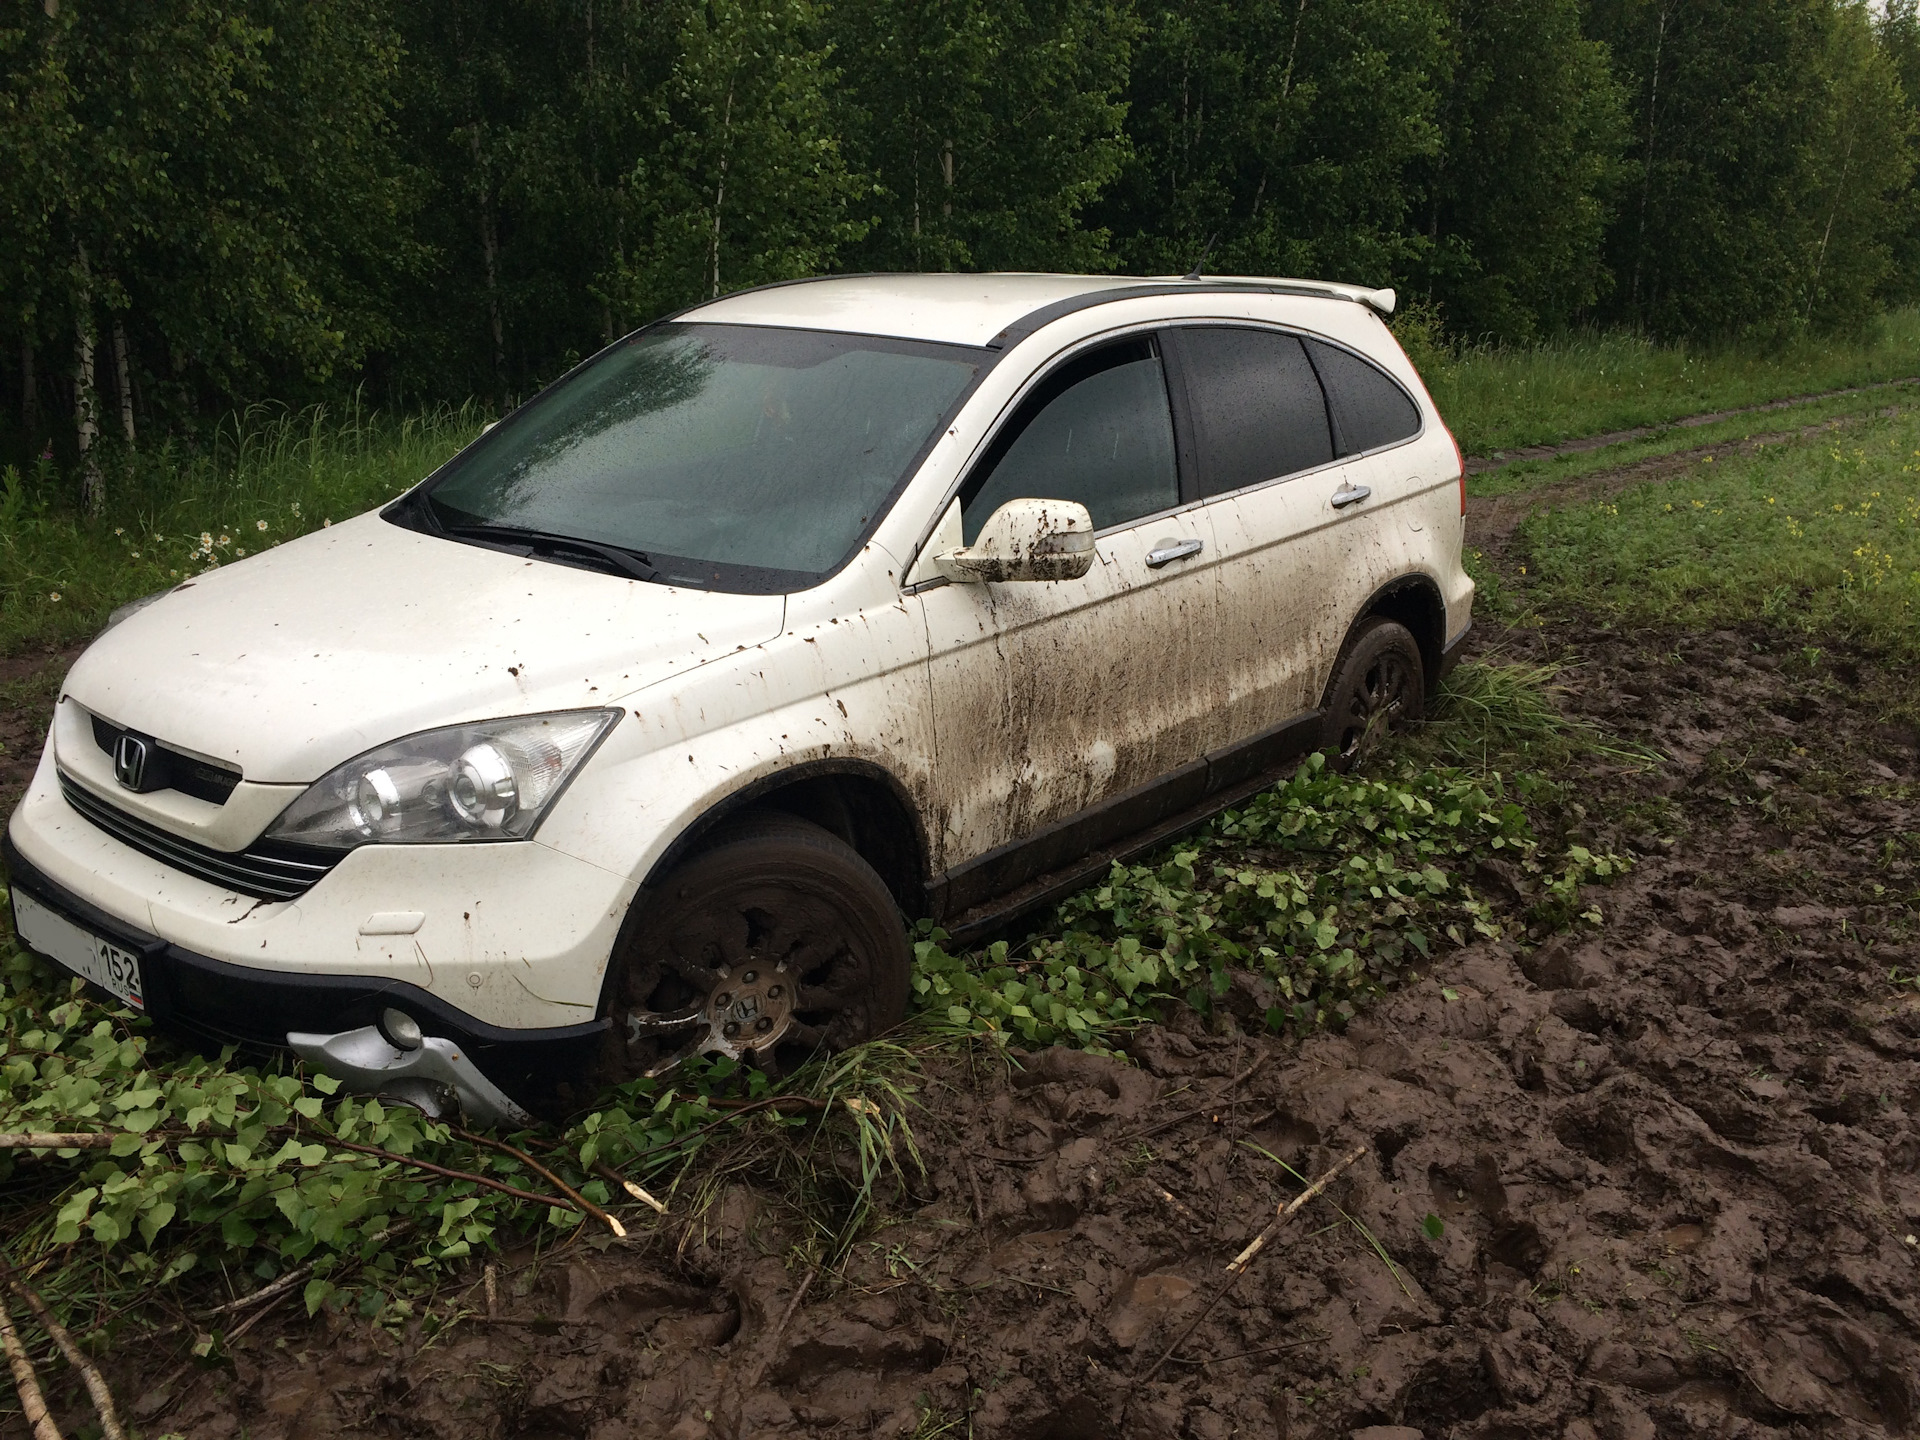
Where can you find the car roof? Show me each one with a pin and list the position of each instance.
(975, 309)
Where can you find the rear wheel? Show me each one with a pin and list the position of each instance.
(774, 942)
(1378, 684)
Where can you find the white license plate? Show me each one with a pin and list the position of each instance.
(111, 967)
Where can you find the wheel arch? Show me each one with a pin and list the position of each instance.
(1414, 601)
(861, 803)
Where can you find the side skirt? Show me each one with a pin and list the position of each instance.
(985, 893)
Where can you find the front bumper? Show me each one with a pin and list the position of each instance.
(215, 1002)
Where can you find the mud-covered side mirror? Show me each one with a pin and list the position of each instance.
(1026, 540)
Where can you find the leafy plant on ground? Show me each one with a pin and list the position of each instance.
(1323, 891)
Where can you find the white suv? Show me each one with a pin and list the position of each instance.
(635, 729)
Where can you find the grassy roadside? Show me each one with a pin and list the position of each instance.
(1497, 398)
(1820, 535)
(1840, 412)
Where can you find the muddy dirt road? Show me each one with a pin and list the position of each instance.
(1660, 1180)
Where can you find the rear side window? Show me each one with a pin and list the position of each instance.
(1256, 405)
(1098, 430)
(1369, 408)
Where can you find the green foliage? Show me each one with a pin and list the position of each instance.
(1501, 397)
(1771, 148)
(216, 179)
(1284, 132)
(986, 128)
(1533, 126)
(1328, 889)
(1821, 535)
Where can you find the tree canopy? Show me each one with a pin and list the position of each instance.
(212, 201)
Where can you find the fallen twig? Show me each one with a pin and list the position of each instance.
(1167, 1197)
(96, 1382)
(768, 1345)
(638, 1192)
(33, 1403)
(1240, 1262)
(292, 1278)
(580, 1202)
(1205, 1360)
(56, 1140)
(1238, 1266)
(433, 1169)
(1213, 1104)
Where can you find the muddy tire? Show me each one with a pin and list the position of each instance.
(1378, 684)
(774, 942)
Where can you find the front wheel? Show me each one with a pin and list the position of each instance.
(1379, 683)
(774, 942)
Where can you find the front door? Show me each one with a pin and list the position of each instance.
(1057, 706)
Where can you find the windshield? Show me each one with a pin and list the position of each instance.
(725, 456)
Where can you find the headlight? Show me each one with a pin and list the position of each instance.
(492, 780)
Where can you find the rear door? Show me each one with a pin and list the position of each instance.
(1295, 438)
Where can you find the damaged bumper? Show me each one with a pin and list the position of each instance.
(494, 1074)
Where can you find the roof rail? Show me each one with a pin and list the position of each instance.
(1379, 301)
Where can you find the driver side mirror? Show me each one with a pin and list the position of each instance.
(1026, 540)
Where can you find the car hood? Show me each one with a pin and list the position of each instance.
(295, 660)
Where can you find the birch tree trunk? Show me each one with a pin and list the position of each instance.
(93, 485)
(122, 383)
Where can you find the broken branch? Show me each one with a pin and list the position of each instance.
(33, 1403)
(1238, 1267)
(1245, 1258)
(96, 1382)
(607, 1172)
(56, 1140)
(433, 1169)
(580, 1202)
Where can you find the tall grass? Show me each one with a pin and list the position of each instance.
(261, 478)
(1501, 397)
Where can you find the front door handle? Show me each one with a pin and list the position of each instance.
(1351, 495)
(1168, 551)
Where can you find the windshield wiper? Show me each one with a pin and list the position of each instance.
(616, 560)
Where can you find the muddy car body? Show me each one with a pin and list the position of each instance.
(483, 797)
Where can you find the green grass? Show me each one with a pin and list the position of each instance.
(1820, 536)
(1497, 397)
(1840, 412)
(173, 511)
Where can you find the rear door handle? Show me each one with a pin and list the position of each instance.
(1168, 551)
(1352, 495)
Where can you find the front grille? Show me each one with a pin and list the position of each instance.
(169, 769)
(269, 874)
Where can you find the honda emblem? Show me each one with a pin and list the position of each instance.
(130, 761)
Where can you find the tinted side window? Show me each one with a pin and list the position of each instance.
(1098, 430)
(1369, 408)
(1257, 405)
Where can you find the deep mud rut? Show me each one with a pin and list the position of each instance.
(1673, 1160)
